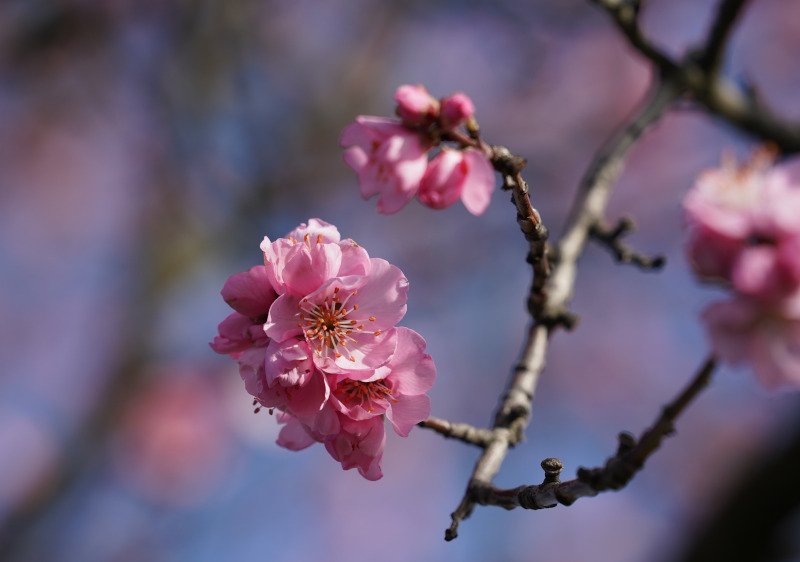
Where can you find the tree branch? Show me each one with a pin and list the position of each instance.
(615, 474)
(513, 414)
(698, 74)
(460, 431)
(728, 13)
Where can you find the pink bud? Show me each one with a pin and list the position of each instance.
(456, 109)
(415, 106)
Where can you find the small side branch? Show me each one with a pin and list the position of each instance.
(618, 470)
(613, 239)
(699, 74)
(465, 432)
(728, 13)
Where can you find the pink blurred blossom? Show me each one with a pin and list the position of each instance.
(458, 174)
(745, 233)
(742, 330)
(174, 442)
(743, 227)
(456, 109)
(415, 106)
(389, 159)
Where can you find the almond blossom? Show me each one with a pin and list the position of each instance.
(390, 156)
(745, 234)
(315, 336)
(396, 389)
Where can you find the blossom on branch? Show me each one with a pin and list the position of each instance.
(390, 156)
(744, 233)
(315, 335)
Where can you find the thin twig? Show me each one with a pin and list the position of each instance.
(513, 414)
(530, 223)
(465, 432)
(698, 74)
(612, 238)
(615, 474)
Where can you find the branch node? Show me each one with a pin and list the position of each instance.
(506, 163)
(552, 470)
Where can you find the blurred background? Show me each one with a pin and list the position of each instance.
(147, 146)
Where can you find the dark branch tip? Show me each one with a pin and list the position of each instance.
(627, 441)
(552, 469)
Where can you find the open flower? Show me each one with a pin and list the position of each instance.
(744, 230)
(390, 156)
(745, 234)
(389, 159)
(396, 389)
(346, 320)
(320, 317)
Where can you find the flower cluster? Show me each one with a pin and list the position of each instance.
(390, 156)
(744, 233)
(314, 332)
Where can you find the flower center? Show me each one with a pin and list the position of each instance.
(363, 392)
(326, 325)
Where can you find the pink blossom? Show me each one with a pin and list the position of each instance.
(743, 330)
(396, 389)
(456, 109)
(453, 174)
(321, 314)
(359, 445)
(309, 256)
(250, 294)
(744, 229)
(347, 320)
(389, 159)
(415, 106)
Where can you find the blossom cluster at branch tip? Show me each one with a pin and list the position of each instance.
(314, 331)
(391, 156)
(744, 234)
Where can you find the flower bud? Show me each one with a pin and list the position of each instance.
(415, 106)
(456, 109)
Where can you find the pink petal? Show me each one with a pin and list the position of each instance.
(355, 259)
(308, 266)
(234, 334)
(383, 296)
(479, 183)
(282, 322)
(293, 436)
(762, 272)
(411, 368)
(407, 412)
(249, 292)
(251, 369)
(307, 400)
(729, 325)
(443, 182)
